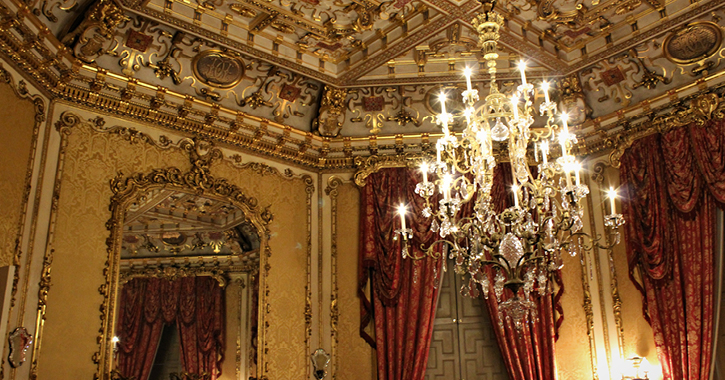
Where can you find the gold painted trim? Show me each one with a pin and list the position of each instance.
(333, 183)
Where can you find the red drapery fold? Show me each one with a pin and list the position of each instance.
(529, 354)
(404, 291)
(195, 304)
(404, 307)
(672, 184)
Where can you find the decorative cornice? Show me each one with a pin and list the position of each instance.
(701, 109)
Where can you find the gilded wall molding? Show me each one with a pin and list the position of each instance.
(333, 183)
(309, 190)
(598, 176)
(21, 91)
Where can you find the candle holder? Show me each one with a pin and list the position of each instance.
(406, 234)
(425, 189)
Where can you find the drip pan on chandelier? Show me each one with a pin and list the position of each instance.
(521, 246)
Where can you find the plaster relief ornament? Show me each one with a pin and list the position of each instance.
(572, 100)
(94, 35)
(611, 79)
(332, 111)
(693, 42)
(217, 68)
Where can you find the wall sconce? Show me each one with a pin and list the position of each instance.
(636, 368)
(320, 360)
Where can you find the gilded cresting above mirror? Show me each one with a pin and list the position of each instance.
(183, 276)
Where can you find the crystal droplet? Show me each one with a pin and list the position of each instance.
(434, 226)
(511, 248)
(499, 132)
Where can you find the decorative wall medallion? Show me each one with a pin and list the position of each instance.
(138, 41)
(289, 93)
(218, 69)
(20, 339)
(693, 42)
(373, 103)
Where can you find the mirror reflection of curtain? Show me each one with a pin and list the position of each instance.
(194, 304)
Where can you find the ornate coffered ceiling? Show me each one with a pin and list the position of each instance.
(357, 69)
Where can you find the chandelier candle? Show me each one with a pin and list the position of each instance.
(521, 246)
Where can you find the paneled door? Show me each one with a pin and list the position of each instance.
(464, 344)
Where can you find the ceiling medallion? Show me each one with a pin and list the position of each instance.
(513, 253)
(217, 68)
(693, 42)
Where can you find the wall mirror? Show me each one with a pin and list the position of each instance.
(183, 278)
(186, 299)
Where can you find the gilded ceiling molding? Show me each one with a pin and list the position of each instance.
(701, 109)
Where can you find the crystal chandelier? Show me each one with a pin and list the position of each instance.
(522, 244)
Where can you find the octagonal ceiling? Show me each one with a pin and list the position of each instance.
(368, 67)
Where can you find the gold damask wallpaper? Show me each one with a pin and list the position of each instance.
(287, 355)
(72, 323)
(18, 131)
(356, 359)
(92, 160)
(573, 359)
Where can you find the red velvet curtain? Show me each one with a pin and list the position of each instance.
(404, 307)
(404, 291)
(195, 304)
(672, 185)
(529, 354)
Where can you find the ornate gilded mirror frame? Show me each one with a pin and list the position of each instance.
(197, 181)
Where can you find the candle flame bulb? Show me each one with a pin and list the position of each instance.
(401, 211)
(612, 194)
(467, 73)
(522, 68)
(545, 88)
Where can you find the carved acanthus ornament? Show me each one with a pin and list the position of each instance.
(572, 99)
(332, 111)
(92, 37)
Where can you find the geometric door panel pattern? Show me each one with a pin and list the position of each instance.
(464, 344)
